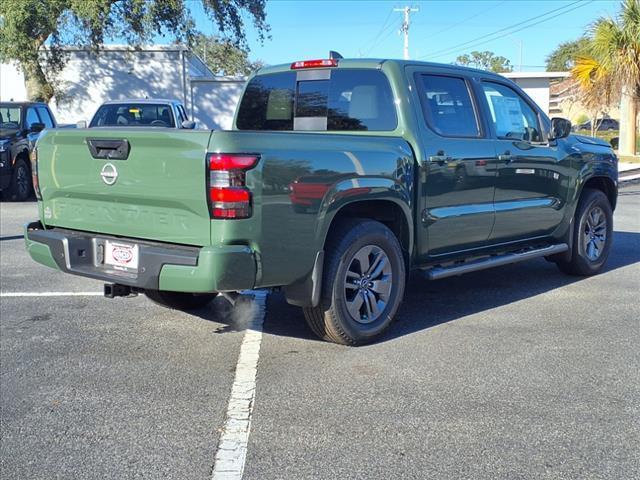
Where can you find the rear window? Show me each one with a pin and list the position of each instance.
(133, 115)
(338, 100)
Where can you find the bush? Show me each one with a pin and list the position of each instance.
(582, 118)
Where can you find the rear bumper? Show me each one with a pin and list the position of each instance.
(161, 266)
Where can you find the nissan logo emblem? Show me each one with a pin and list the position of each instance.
(109, 174)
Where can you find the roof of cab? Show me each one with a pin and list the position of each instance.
(141, 100)
(376, 63)
(24, 104)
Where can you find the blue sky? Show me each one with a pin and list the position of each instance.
(440, 31)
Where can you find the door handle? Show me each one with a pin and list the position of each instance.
(440, 158)
(505, 157)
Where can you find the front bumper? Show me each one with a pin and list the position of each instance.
(161, 266)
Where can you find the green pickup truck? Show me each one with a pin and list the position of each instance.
(338, 178)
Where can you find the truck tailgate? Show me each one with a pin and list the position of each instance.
(159, 192)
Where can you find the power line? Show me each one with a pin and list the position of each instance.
(391, 28)
(484, 39)
(476, 15)
(519, 29)
(382, 28)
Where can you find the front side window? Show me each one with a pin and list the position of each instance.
(447, 106)
(31, 118)
(133, 115)
(46, 118)
(183, 114)
(350, 99)
(512, 116)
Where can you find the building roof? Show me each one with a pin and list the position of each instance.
(515, 75)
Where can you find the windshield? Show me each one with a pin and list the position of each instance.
(133, 115)
(9, 117)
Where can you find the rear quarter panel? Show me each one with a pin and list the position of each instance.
(300, 183)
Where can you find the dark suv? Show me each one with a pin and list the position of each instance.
(604, 124)
(20, 126)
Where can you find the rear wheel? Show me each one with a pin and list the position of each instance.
(592, 235)
(363, 284)
(20, 188)
(180, 300)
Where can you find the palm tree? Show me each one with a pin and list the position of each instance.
(612, 65)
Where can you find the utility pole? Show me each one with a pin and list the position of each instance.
(405, 27)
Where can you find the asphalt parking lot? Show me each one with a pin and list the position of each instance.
(516, 372)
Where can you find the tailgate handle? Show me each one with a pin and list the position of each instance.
(108, 148)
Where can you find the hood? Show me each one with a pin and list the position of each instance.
(8, 133)
(591, 140)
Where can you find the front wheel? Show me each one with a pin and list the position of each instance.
(180, 300)
(592, 235)
(21, 183)
(363, 284)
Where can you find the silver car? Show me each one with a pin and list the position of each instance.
(147, 112)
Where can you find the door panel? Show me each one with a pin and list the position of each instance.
(457, 171)
(528, 195)
(528, 198)
(457, 196)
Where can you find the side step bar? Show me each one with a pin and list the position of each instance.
(436, 273)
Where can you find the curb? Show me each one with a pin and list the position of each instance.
(629, 176)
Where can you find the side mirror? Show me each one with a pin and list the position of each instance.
(81, 124)
(188, 124)
(560, 128)
(36, 127)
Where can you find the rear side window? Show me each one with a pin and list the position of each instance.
(347, 100)
(447, 106)
(133, 115)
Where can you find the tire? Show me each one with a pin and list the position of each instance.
(180, 300)
(21, 184)
(353, 243)
(592, 235)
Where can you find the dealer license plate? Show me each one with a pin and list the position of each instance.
(121, 255)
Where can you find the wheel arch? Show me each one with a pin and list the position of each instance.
(605, 184)
(391, 211)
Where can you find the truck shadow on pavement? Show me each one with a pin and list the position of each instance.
(427, 304)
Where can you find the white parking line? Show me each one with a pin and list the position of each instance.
(51, 294)
(232, 445)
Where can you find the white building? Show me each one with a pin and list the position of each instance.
(118, 72)
(537, 85)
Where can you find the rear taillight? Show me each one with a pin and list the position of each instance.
(229, 196)
(34, 173)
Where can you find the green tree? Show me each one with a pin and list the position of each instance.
(223, 57)
(563, 58)
(485, 60)
(34, 32)
(611, 67)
